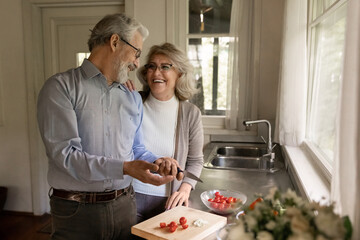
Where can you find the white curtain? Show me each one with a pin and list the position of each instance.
(345, 186)
(239, 58)
(291, 107)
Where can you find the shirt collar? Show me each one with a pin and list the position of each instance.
(89, 69)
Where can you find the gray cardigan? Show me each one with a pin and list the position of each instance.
(189, 142)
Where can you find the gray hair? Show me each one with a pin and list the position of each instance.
(119, 24)
(185, 86)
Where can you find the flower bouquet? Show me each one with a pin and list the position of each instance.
(286, 216)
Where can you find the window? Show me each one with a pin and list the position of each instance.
(80, 57)
(208, 48)
(326, 29)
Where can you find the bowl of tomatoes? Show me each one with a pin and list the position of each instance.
(223, 201)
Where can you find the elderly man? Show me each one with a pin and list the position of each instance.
(91, 127)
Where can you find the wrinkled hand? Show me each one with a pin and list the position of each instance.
(169, 166)
(141, 170)
(130, 85)
(179, 198)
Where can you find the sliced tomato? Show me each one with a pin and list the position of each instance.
(252, 205)
(162, 225)
(185, 226)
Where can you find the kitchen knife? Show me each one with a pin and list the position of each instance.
(189, 175)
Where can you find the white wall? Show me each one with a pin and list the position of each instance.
(270, 46)
(14, 142)
(15, 171)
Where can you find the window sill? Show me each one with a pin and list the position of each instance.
(308, 179)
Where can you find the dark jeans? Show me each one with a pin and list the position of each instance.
(149, 206)
(105, 220)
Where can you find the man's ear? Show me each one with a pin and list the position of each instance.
(114, 41)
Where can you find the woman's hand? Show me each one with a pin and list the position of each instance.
(179, 198)
(130, 85)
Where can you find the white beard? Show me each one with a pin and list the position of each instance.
(123, 75)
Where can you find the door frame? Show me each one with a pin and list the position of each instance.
(35, 78)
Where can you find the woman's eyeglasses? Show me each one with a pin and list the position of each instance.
(138, 51)
(163, 67)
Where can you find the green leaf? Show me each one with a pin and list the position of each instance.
(348, 227)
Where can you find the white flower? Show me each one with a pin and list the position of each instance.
(238, 232)
(299, 224)
(292, 195)
(251, 221)
(263, 235)
(271, 194)
(319, 237)
(292, 212)
(270, 225)
(289, 217)
(303, 236)
(329, 223)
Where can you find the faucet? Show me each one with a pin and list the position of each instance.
(269, 143)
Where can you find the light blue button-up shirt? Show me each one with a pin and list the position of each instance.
(89, 130)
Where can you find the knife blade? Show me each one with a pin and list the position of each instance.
(189, 175)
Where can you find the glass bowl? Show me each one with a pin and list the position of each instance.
(223, 205)
(223, 232)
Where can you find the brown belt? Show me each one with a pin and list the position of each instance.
(89, 197)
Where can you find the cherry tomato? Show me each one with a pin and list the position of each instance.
(210, 200)
(185, 226)
(172, 228)
(162, 225)
(182, 220)
(172, 223)
(221, 206)
(227, 205)
(217, 194)
(214, 205)
(230, 200)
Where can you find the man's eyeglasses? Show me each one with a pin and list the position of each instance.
(138, 51)
(163, 67)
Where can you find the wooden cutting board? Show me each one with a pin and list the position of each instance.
(150, 229)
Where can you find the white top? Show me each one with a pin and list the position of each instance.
(159, 124)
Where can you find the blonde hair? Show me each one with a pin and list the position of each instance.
(185, 86)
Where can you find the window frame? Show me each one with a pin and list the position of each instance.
(247, 102)
(320, 161)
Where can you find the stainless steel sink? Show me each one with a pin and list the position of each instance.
(244, 151)
(251, 157)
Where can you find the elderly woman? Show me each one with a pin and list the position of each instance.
(171, 126)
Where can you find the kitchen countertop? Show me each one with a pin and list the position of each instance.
(245, 181)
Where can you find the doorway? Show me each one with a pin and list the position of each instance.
(55, 33)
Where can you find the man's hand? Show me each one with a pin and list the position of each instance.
(141, 170)
(169, 166)
(130, 85)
